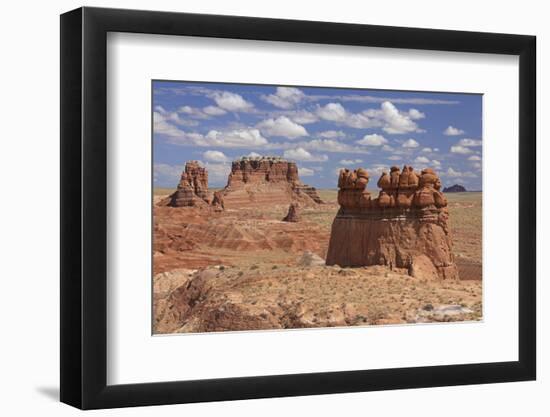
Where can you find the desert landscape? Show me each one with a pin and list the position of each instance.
(270, 252)
(290, 207)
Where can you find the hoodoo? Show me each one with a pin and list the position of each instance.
(405, 227)
(293, 214)
(266, 180)
(193, 187)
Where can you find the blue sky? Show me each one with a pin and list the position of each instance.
(321, 129)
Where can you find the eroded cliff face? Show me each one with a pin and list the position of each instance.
(264, 181)
(404, 228)
(260, 181)
(263, 169)
(193, 187)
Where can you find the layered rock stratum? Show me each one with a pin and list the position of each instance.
(266, 181)
(405, 228)
(193, 187)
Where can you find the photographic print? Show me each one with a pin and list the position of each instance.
(290, 207)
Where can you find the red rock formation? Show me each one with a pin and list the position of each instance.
(293, 214)
(308, 190)
(217, 201)
(405, 227)
(262, 169)
(353, 189)
(193, 187)
(264, 181)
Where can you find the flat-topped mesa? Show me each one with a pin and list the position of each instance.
(404, 227)
(193, 187)
(247, 170)
(266, 180)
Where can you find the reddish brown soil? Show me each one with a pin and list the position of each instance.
(241, 269)
(192, 237)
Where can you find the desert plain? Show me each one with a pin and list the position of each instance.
(244, 268)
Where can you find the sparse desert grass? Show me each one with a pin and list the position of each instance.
(328, 195)
(465, 217)
(295, 297)
(265, 283)
(159, 191)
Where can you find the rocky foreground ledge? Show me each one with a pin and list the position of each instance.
(307, 295)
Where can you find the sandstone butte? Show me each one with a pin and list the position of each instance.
(260, 181)
(193, 187)
(266, 181)
(404, 228)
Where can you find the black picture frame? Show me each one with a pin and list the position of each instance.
(84, 207)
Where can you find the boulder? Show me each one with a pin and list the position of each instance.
(310, 259)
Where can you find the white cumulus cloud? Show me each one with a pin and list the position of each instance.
(215, 156)
(236, 138)
(373, 140)
(253, 155)
(350, 161)
(160, 114)
(329, 145)
(303, 117)
(394, 121)
(421, 160)
(332, 134)
(217, 173)
(410, 143)
(395, 158)
(458, 174)
(284, 97)
(474, 158)
(231, 138)
(162, 127)
(460, 150)
(333, 112)
(282, 126)
(231, 101)
(192, 112)
(305, 172)
(213, 111)
(469, 142)
(416, 114)
(166, 175)
(300, 154)
(453, 131)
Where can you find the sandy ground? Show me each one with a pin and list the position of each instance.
(243, 269)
